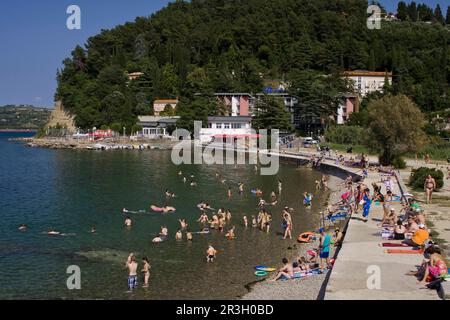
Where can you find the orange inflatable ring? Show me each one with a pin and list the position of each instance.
(305, 237)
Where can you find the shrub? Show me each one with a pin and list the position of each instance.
(418, 176)
(399, 163)
(345, 135)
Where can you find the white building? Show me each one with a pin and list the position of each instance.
(226, 128)
(156, 127)
(366, 82)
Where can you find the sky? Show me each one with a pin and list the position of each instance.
(34, 39)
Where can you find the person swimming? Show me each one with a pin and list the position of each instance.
(230, 234)
(179, 235)
(203, 218)
(23, 228)
(183, 223)
(254, 222)
(245, 221)
(241, 187)
(169, 194)
(307, 199)
(52, 232)
(193, 184)
(189, 235)
(157, 239)
(164, 231)
(128, 222)
(93, 230)
(210, 254)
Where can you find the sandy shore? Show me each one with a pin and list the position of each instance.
(296, 289)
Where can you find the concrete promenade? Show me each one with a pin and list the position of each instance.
(361, 255)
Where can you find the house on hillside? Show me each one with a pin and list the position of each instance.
(160, 105)
(135, 75)
(237, 104)
(351, 104)
(365, 82)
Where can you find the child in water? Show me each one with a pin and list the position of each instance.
(307, 199)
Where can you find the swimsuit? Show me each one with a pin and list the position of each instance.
(132, 282)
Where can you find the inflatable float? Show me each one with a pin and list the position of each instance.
(265, 268)
(305, 237)
(261, 273)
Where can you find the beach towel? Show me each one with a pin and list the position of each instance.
(394, 245)
(400, 251)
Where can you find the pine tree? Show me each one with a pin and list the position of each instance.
(447, 19)
(438, 14)
(412, 11)
(402, 11)
(371, 62)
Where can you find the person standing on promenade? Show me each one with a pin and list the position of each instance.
(429, 187)
(132, 272)
(325, 241)
(146, 271)
(367, 202)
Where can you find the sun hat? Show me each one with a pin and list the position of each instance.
(421, 226)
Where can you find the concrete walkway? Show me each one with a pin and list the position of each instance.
(361, 255)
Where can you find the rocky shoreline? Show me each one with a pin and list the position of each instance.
(113, 144)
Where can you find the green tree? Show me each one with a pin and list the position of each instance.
(395, 127)
(447, 17)
(271, 113)
(402, 11)
(168, 111)
(195, 109)
(438, 14)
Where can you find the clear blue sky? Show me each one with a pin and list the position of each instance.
(34, 39)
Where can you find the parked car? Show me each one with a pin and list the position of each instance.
(309, 141)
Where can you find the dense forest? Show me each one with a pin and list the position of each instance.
(192, 49)
(23, 117)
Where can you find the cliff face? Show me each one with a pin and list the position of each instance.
(60, 118)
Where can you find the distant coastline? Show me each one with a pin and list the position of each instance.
(18, 130)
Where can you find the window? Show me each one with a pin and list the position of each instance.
(218, 125)
(209, 125)
(236, 126)
(227, 126)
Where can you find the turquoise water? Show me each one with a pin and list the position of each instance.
(71, 191)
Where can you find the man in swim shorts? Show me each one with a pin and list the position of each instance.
(210, 254)
(132, 273)
(325, 241)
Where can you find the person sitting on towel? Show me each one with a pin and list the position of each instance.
(287, 270)
(419, 237)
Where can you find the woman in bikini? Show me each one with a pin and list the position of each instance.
(429, 187)
(146, 271)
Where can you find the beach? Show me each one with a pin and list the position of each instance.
(297, 289)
